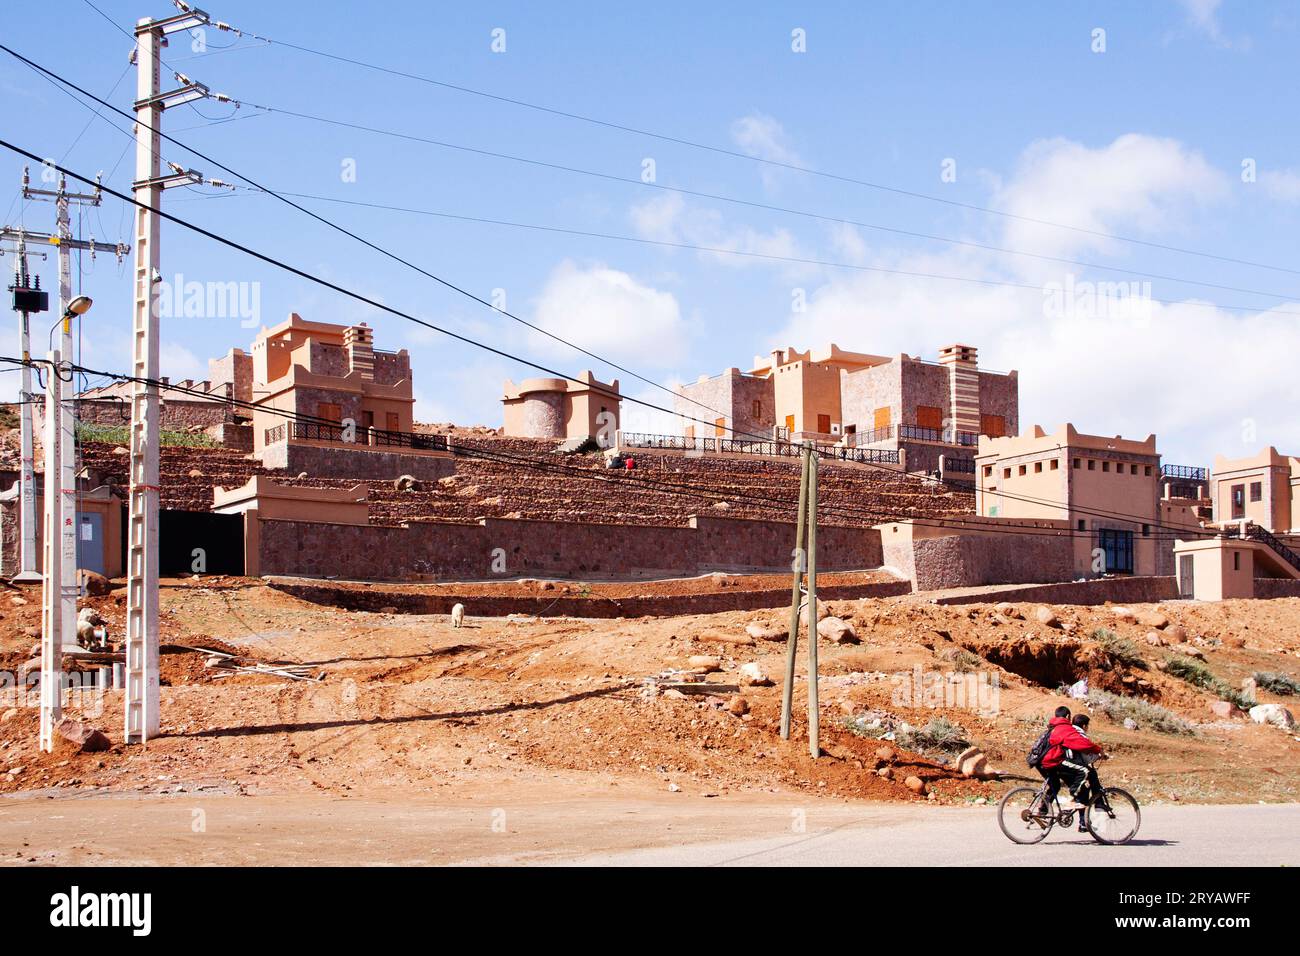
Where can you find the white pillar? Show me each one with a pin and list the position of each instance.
(68, 440)
(51, 596)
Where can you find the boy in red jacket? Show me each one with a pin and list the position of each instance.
(1068, 741)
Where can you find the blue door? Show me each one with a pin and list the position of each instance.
(90, 541)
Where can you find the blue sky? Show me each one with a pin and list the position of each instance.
(1145, 140)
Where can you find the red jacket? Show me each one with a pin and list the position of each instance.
(1066, 736)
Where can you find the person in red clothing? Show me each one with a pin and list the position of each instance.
(1068, 755)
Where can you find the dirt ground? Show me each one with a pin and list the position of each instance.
(407, 704)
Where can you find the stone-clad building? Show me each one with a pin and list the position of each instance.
(561, 408)
(834, 396)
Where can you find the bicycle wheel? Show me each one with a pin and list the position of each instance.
(1017, 819)
(1113, 816)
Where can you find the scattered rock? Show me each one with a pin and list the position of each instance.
(84, 737)
(1225, 709)
(837, 631)
(916, 785)
(1153, 618)
(1175, 634)
(1190, 650)
(738, 706)
(703, 662)
(1234, 641)
(17, 601)
(886, 754)
(8, 715)
(1007, 610)
(1130, 723)
(1155, 639)
(1123, 614)
(719, 637)
(771, 632)
(1274, 714)
(886, 772)
(1046, 617)
(753, 675)
(195, 473)
(408, 483)
(673, 788)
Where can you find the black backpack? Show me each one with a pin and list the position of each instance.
(1039, 750)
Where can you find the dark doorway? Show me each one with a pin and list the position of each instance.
(190, 541)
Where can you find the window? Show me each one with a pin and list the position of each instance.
(881, 418)
(758, 409)
(1118, 548)
(1120, 468)
(1076, 463)
(367, 419)
(928, 416)
(1256, 491)
(719, 427)
(330, 412)
(1092, 465)
(1083, 524)
(1022, 469)
(789, 425)
(823, 424)
(1238, 501)
(995, 426)
(988, 471)
(1236, 560)
(1105, 466)
(1038, 468)
(1006, 472)
(1148, 471)
(393, 422)
(1146, 531)
(1056, 464)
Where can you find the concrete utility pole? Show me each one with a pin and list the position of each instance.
(141, 711)
(26, 301)
(804, 596)
(63, 239)
(51, 603)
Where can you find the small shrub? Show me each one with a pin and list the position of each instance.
(939, 734)
(1198, 675)
(1283, 685)
(1144, 713)
(1120, 648)
(965, 661)
(121, 435)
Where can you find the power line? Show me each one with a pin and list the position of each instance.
(670, 487)
(768, 207)
(774, 163)
(722, 250)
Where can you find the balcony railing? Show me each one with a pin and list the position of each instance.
(369, 437)
(762, 449)
(963, 465)
(1190, 472)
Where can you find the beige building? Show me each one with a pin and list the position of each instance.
(1105, 490)
(900, 403)
(329, 377)
(1263, 489)
(561, 408)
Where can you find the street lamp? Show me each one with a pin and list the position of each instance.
(78, 306)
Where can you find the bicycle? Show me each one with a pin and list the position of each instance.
(1110, 815)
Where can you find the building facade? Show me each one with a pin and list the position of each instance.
(1263, 489)
(927, 409)
(1105, 491)
(561, 408)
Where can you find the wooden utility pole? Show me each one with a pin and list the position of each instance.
(805, 560)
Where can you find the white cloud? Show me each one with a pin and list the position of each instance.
(1281, 184)
(669, 218)
(610, 313)
(1203, 379)
(1136, 183)
(764, 137)
(176, 362)
(1203, 16)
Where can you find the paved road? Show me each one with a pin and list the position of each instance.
(558, 823)
(1170, 836)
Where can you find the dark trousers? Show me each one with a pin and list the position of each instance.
(1074, 776)
(1053, 782)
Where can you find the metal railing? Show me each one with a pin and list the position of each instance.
(941, 435)
(757, 448)
(965, 466)
(1191, 472)
(1255, 533)
(369, 437)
